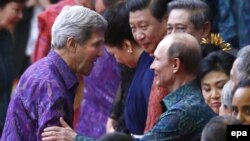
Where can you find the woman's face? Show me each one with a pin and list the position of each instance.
(11, 14)
(241, 105)
(211, 85)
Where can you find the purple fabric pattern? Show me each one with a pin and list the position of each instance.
(44, 93)
(99, 93)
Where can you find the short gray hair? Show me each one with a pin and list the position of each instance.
(243, 64)
(77, 22)
(226, 95)
(187, 49)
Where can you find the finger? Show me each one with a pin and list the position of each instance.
(52, 128)
(63, 123)
(49, 138)
(49, 134)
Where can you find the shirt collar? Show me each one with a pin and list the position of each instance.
(174, 97)
(65, 72)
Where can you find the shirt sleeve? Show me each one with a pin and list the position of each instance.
(53, 104)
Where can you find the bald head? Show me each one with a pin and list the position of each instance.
(183, 46)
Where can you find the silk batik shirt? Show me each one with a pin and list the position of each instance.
(45, 92)
(185, 116)
(183, 120)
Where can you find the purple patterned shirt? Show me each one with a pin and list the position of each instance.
(45, 92)
(99, 93)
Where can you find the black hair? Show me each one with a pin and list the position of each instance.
(216, 61)
(118, 29)
(3, 3)
(156, 7)
(109, 3)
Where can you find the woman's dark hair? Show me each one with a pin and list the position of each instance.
(216, 61)
(5, 2)
(156, 7)
(118, 29)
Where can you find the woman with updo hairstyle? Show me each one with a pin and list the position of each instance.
(214, 71)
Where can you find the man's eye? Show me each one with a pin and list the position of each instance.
(180, 29)
(169, 31)
(144, 27)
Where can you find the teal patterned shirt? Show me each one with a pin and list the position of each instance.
(185, 116)
(83, 138)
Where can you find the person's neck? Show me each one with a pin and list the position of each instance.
(137, 53)
(65, 55)
(180, 80)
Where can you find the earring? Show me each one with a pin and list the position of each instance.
(130, 51)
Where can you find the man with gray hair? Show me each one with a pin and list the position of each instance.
(175, 65)
(226, 99)
(241, 66)
(46, 90)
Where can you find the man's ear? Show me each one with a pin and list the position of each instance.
(176, 65)
(71, 45)
(206, 29)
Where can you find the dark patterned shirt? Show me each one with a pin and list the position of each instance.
(44, 94)
(185, 116)
(6, 75)
(184, 119)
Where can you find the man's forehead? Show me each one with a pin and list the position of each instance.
(139, 14)
(162, 46)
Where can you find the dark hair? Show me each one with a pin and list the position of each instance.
(116, 136)
(199, 11)
(216, 61)
(109, 3)
(118, 25)
(216, 128)
(242, 84)
(5, 2)
(157, 7)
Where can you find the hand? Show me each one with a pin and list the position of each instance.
(109, 126)
(55, 133)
